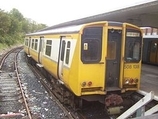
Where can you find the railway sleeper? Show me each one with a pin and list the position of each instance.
(9, 94)
(10, 98)
(61, 94)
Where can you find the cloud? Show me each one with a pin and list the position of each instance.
(52, 12)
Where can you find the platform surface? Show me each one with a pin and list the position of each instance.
(154, 116)
(149, 78)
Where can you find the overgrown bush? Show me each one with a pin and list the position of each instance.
(13, 27)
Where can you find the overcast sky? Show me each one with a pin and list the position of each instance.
(52, 12)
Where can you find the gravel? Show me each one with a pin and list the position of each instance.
(39, 100)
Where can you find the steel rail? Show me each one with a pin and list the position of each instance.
(6, 55)
(41, 78)
(67, 111)
(18, 78)
(22, 92)
(10, 115)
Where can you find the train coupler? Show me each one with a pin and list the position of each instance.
(113, 100)
(114, 110)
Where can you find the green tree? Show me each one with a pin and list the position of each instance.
(4, 22)
(16, 21)
(13, 27)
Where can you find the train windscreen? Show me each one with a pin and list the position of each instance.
(133, 46)
(91, 44)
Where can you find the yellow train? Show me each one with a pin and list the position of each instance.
(150, 46)
(92, 61)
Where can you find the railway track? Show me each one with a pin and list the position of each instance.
(46, 85)
(13, 103)
(90, 111)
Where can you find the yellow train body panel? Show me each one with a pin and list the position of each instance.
(92, 74)
(50, 66)
(71, 74)
(132, 72)
(92, 58)
(26, 49)
(34, 55)
(26, 45)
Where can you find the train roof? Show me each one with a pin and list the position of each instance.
(69, 29)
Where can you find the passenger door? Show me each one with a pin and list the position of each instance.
(29, 45)
(154, 52)
(40, 49)
(113, 59)
(61, 56)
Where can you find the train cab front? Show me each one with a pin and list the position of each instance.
(111, 62)
(111, 58)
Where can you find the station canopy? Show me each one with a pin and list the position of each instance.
(143, 15)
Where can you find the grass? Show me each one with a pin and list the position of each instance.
(4, 47)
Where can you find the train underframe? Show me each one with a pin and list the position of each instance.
(114, 102)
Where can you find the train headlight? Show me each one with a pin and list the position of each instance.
(127, 81)
(131, 81)
(89, 83)
(83, 84)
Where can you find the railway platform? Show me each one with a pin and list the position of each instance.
(149, 79)
(148, 88)
(154, 116)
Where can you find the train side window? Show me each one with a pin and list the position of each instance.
(36, 43)
(48, 47)
(133, 45)
(32, 43)
(63, 51)
(111, 50)
(132, 51)
(136, 51)
(68, 52)
(153, 47)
